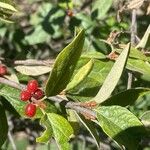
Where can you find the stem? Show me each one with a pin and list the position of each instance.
(12, 83)
(133, 42)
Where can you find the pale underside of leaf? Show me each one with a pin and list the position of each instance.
(33, 70)
(113, 76)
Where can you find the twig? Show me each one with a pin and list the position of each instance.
(133, 42)
(34, 62)
(74, 106)
(71, 105)
(12, 83)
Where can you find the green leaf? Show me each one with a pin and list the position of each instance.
(37, 36)
(145, 41)
(100, 8)
(47, 134)
(93, 54)
(60, 129)
(89, 87)
(113, 76)
(139, 66)
(145, 119)
(64, 66)
(127, 97)
(3, 126)
(121, 125)
(33, 70)
(7, 4)
(91, 128)
(80, 76)
(134, 53)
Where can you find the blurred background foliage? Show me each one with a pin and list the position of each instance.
(43, 28)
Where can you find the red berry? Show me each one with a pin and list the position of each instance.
(30, 110)
(25, 95)
(32, 86)
(70, 13)
(3, 70)
(38, 94)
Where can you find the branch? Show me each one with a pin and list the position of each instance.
(12, 83)
(77, 106)
(73, 105)
(133, 42)
(34, 62)
(29, 62)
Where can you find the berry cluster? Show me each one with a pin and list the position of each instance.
(32, 90)
(3, 70)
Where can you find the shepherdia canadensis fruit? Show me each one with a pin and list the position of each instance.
(32, 93)
(3, 70)
(32, 86)
(38, 94)
(25, 95)
(30, 110)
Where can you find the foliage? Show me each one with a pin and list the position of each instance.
(90, 72)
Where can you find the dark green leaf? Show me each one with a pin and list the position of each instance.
(127, 97)
(64, 66)
(113, 76)
(3, 126)
(121, 125)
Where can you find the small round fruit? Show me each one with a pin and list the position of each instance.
(25, 95)
(38, 94)
(3, 70)
(69, 13)
(32, 86)
(30, 110)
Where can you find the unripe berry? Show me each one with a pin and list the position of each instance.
(38, 94)
(30, 110)
(3, 70)
(25, 95)
(32, 86)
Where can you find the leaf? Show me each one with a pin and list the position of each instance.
(125, 98)
(61, 130)
(89, 87)
(145, 119)
(100, 8)
(6, 4)
(3, 126)
(33, 70)
(80, 75)
(64, 66)
(113, 76)
(121, 125)
(93, 54)
(134, 53)
(139, 66)
(145, 41)
(91, 128)
(37, 36)
(47, 134)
